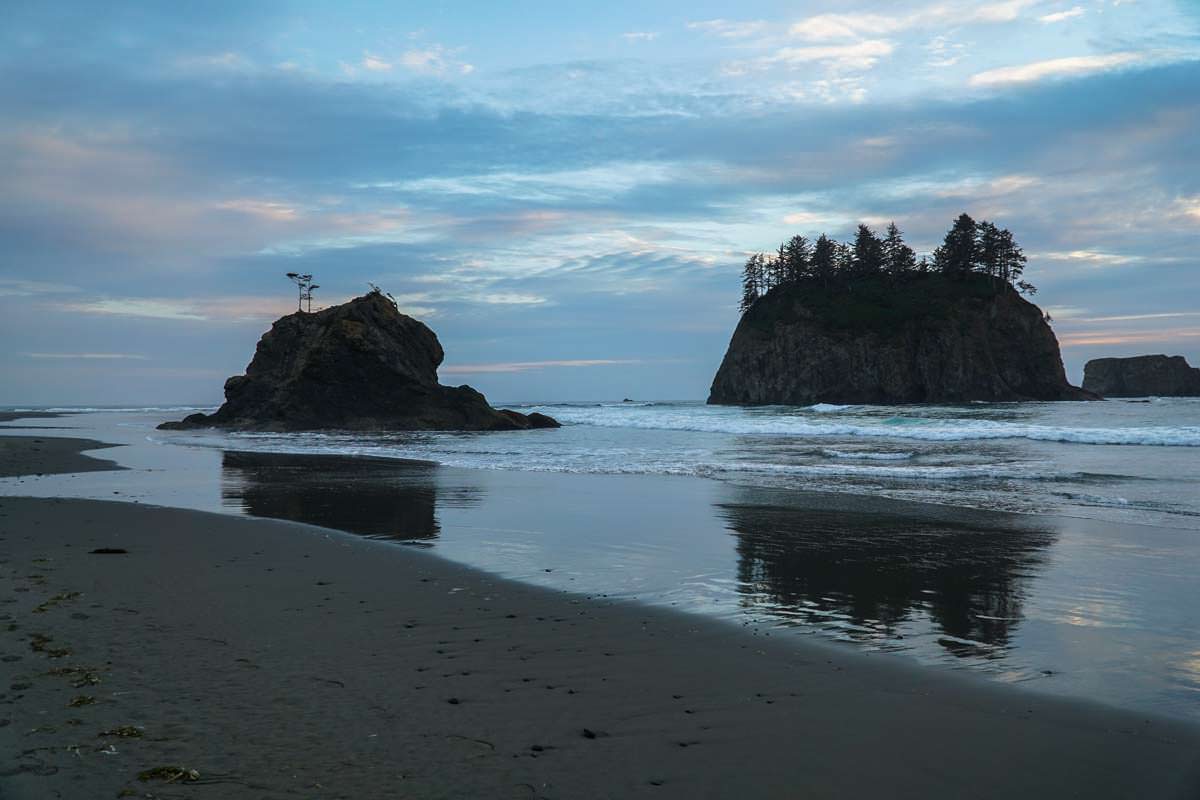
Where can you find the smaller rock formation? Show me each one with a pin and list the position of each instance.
(361, 365)
(1142, 376)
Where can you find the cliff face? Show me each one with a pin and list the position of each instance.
(360, 365)
(930, 339)
(1142, 376)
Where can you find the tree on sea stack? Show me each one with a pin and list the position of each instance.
(898, 257)
(959, 252)
(752, 281)
(868, 256)
(868, 323)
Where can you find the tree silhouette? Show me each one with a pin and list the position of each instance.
(968, 247)
(959, 253)
(898, 257)
(868, 258)
(794, 257)
(824, 259)
(751, 281)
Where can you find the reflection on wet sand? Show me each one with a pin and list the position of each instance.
(877, 570)
(380, 498)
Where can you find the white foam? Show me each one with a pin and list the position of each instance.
(866, 455)
(771, 422)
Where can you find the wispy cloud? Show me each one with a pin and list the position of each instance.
(1092, 258)
(640, 36)
(1061, 16)
(1073, 66)
(88, 356)
(528, 366)
(1091, 338)
(16, 287)
(433, 60)
(730, 29)
(221, 309)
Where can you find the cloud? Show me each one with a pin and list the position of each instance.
(943, 52)
(276, 212)
(1061, 16)
(219, 309)
(1006, 11)
(832, 27)
(859, 55)
(1089, 338)
(1189, 207)
(375, 63)
(855, 56)
(1091, 258)
(527, 366)
(640, 36)
(824, 27)
(17, 287)
(434, 60)
(87, 356)
(729, 29)
(1073, 66)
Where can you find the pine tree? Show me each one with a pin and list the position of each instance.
(1010, 260)
(824, 259)
(898, 257)
(959, 252)
(868, 252)
(795, 257)
(751, 282)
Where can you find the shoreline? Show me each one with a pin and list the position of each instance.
(274, 656)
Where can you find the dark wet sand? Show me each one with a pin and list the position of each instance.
(281, 660)
(46, 455)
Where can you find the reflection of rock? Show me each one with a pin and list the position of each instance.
(878, 569)
(381, 498)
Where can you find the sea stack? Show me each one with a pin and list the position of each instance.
(361, 365)
(930, 338)
(1142, 376)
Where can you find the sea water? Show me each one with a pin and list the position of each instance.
(1123, 460)
(889, 528)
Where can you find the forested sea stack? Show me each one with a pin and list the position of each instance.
(869, 323)
(361, 365)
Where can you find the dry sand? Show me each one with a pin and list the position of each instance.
(280, 660)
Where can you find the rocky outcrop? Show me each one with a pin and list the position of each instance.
(361, 365)
(928, 339)
(1142, 376)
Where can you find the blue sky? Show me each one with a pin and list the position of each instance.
(566, 194)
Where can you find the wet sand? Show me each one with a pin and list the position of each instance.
(47, 455)
(282, 660)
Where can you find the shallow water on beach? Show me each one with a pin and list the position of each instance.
(1078, 602)
(1135, 461)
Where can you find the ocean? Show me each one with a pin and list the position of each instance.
(1049, 544)
(1125, 460)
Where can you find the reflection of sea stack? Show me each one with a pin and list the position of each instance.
(377, 497)
(361, 365)
(929, 339)
(884, 569)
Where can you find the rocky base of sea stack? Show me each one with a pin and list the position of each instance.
(929, 339)
(361, 365)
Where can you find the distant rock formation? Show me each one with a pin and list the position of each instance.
(930, 338)
(1142, 376)
(361, 365)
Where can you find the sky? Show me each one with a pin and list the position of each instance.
(566, 192)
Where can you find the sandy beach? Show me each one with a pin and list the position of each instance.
(284, 660)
